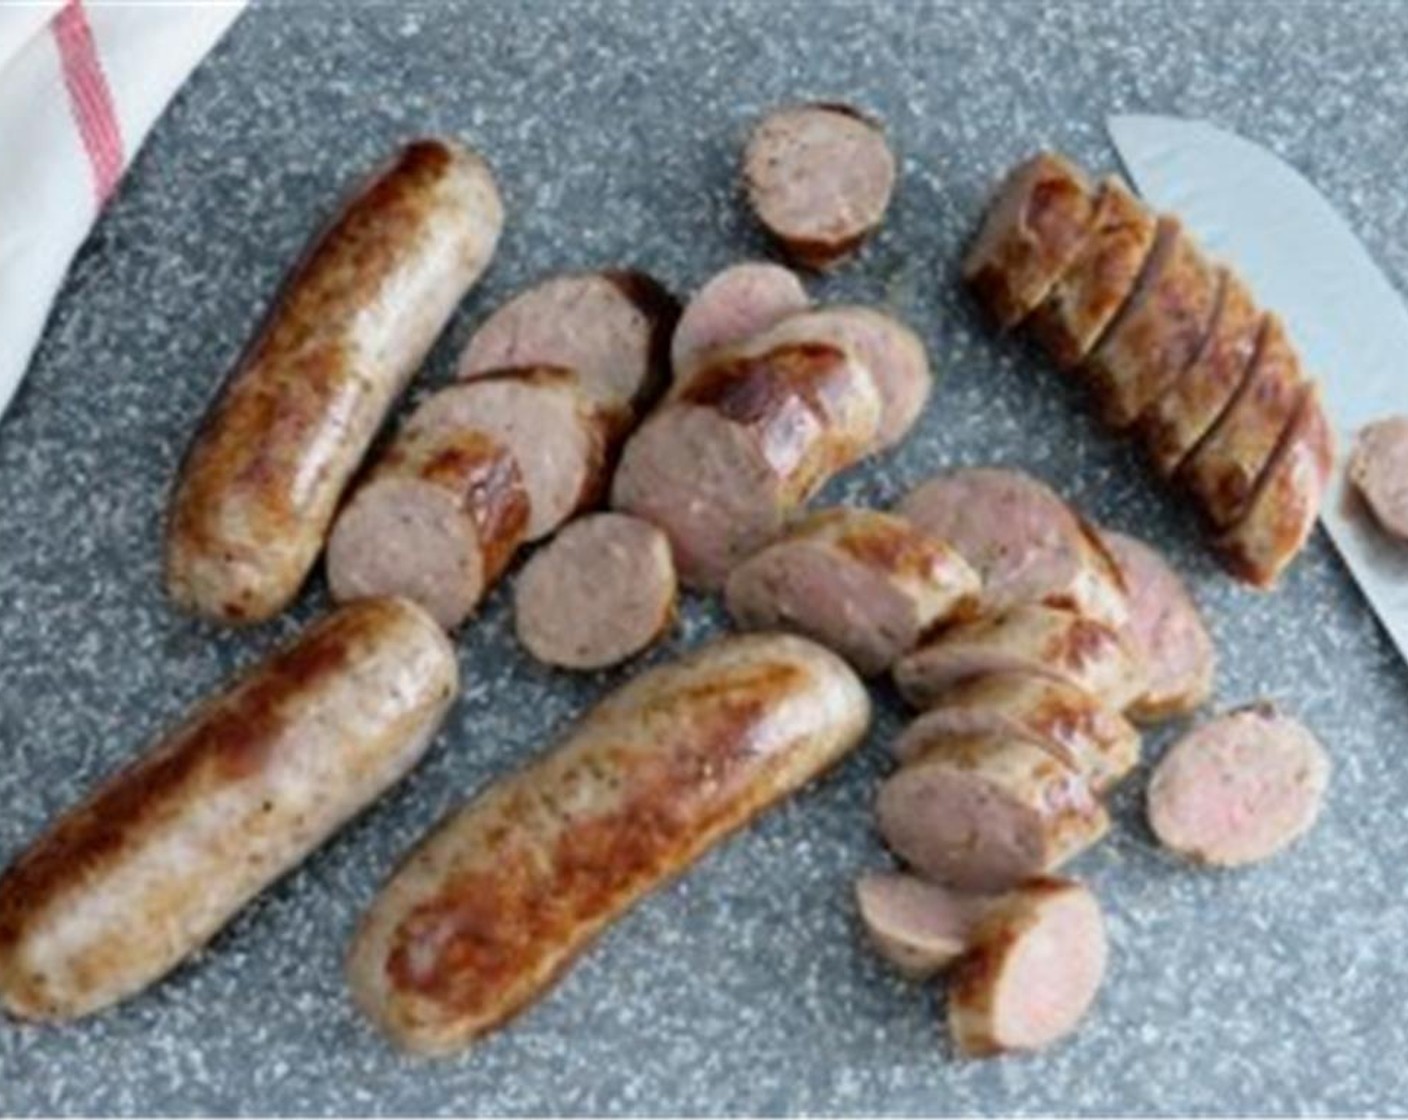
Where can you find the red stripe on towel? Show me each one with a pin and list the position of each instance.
(89, 97)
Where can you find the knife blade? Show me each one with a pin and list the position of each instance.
(1349, 323)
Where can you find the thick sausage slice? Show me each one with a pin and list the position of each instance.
(1159, 331)
(1167, 631)
(613, 328)
(866, 584)
(1036, 966)
(496, 902)
(1025, 542)
(1174, 423)
(984, 812)
(159, 857)
(1060, 644)
(1287, 500)
(819, 177)
(1035, 226)
(1222, 472)
(1239, 789)
(736, 304)
(1067, 721)
(261, 481)
(1082, 303)
(437, 522)
(560, 440)
(599, 592)
(920, 928)
(1378, 467)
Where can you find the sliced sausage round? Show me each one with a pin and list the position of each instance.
(1036, 966)
(1027, 545)
(865, 584)
(741, 301)
(920, 928)
(819, 177)
(1378, 467)
(1035, 226)
(599, 592)
(984, 812)
(1239, 789)
(612, 327)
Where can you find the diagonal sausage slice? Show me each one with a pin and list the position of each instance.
(741, 301)
(1378, 467)
(920, 928)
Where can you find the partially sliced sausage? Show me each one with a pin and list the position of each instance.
(1167, 631)
(612, 327)
(1036, 966)
(921, 928)
(1287, 500)
(1176, 421)
(1239, 789)
(1378, 468)
(741, 301)
(1069, 722)
(864, 583)
(156, 860)
(1035, 226)
(561, 441)
(1159, 331)
(495, 903)
(985, 812)
(1222, 471)
(1082, 303)
(819, 177)
(1026, 544)
(1066, 646)
(599, 592)
(260, 484)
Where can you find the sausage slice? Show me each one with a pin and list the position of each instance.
(1027, 544)
(1035, 226)
(984, 812)
(1166, 629)
(1060, 644)
(1378, 467)
(599, 592)
(1082, 303)
(1239, 789)
(819, 177)
(920, 928)
(736, 304)
(1036, 966)
(864, 583)
(612, 327)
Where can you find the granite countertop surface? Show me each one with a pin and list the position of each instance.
(615, 130)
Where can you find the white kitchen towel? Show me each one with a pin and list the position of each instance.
(80, 86)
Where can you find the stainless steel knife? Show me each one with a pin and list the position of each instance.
(1251, 209)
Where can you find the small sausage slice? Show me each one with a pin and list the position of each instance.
(1060, 644)
(1378, 467)
(1067, 721)
(1167, 631)
(864, 583)
(599, 592)
(437, 522)
(1027, 544)
(1035, 226)
(920, 928)
(1287, 500)
(1084, 300)
(1036, 966)
(741, 301)
(1239, 789)
(984, 812)
(1158, 332)
(819, 177)
(612, 327)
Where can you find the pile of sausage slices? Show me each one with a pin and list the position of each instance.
(1028, 639)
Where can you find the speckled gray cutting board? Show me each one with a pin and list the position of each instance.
(743, 988)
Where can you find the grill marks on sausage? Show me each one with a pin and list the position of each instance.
(733, 306)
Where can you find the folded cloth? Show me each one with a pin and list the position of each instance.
(80, 86)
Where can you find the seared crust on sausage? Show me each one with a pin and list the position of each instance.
(160, 856)
(261, 480)
(734, 305)
(1378, 468)
(496, 902)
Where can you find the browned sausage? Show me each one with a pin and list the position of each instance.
(920, 928)
(734, 305)
(1378, 467)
